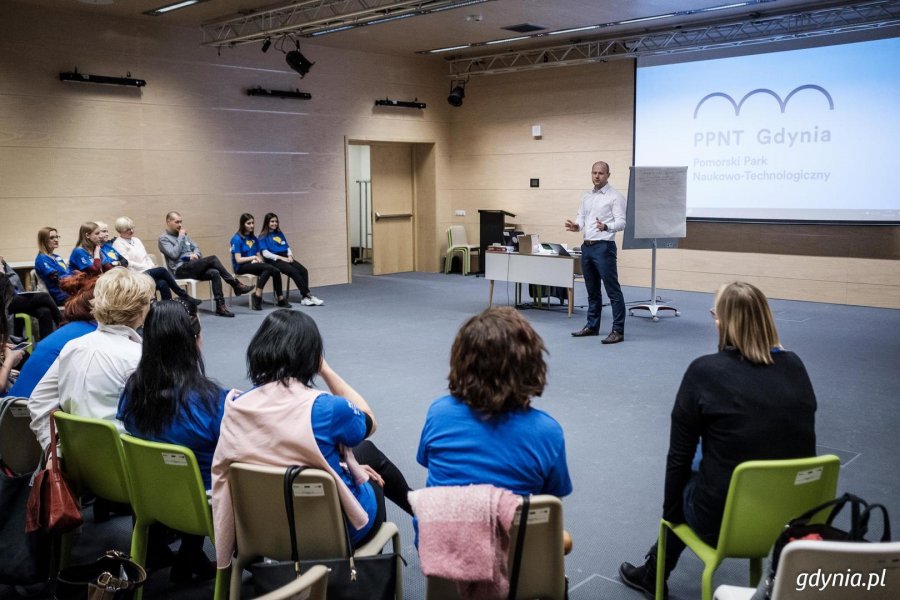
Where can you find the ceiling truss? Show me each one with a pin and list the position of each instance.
(308, 18)
(795, 25)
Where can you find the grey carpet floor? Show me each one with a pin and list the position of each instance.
(390, 337)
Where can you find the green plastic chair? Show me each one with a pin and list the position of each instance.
(166, 488)
(93, 458)
(762, 497)
(27, 329)
(457, 243)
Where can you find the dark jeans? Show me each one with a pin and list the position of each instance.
(598, 264)
(39, 305)
(165, 283)
(296, 272)
(708, 532)
(208, 268)
(263, 271)
(396, 489)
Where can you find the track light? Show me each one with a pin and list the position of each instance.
(298, 62)
(457, 92)
(266, 44)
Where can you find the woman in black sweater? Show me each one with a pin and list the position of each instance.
(752, 400)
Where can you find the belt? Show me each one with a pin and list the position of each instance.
(592, 242)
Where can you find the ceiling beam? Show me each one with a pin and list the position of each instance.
(794, 25)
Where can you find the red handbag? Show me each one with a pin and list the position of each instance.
(52, 507)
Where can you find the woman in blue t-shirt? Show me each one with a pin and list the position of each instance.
(276, 251)
(247, 260)
(86, 253)
(49, 266)
(169, 399)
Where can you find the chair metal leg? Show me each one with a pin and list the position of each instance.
(707, 589)
(139, 548)
(222, 584)
(661, 561)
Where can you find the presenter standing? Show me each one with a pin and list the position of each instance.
(600, 216)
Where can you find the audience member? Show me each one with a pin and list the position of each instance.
(247, 260)
(752, 400)
(86, 255)
(496, 367)
(169, 399)
(132, 249)
(184, 259)
(49, 266)
(79, 321)
(9, 356)
(39, 305)
(90, 373)
(109, 256)
(283, 421)
(276, 251)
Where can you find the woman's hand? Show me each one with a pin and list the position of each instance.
(373, 475)
(12, 357)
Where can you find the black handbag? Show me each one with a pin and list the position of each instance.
(24, 557)
(113, 576)
(801, 528)
(354, 578)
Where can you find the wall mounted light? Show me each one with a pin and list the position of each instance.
(457, 92)
(400, 103)
(82, 78)
(297, 94)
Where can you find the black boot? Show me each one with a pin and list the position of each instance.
(255, 302)
(222, 310)
(188, 298)
(283, 303)
(642, 578)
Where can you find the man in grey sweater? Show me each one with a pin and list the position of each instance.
(184, 259)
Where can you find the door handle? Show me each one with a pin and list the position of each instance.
(379, 216)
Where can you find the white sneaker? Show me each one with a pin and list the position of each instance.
(316, 301)
(307, 302)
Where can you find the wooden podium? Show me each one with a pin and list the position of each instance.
(493, 222)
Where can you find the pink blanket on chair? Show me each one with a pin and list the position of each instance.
(464, 536)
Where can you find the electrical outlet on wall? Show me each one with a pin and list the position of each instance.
(460, 213)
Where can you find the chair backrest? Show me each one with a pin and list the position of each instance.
(36, 283)
(166, 486)
(260, 520)
(542, 572)
(765, 494)
(92, 456)
(456, 236)
(838, 570)
(19, 449)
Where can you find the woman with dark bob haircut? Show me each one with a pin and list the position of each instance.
(485, 430)
(751, 400)
(246, 259)
(284, 421)
(169, 399)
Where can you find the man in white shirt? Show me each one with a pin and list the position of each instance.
(90, 373)
(600, 216)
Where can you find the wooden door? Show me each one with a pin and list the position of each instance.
(392, 208)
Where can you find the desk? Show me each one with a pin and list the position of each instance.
(541, 269)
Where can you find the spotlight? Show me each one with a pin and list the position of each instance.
(266, 44)
(298, 62)
(457, 93)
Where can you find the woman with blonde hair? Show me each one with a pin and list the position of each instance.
(50, 266)
(752, 400)
(90, 373)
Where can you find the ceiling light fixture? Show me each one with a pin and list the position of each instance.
(298, 62)
(457, 92)
(723, 7)
(507, 40)
(448, 49)
(573, 30)
(642, 19)
(170, 7)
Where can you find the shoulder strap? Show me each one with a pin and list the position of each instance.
(864, 522)
(289, 475)
(520, 544)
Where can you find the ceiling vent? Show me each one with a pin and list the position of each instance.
(524, 28)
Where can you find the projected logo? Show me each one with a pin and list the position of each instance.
(781, 103)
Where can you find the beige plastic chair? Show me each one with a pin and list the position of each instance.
(312, 585)
(458, 243)
(542, 573)
(261, 526)
(191, 284)
(801, 561)
(18, 446)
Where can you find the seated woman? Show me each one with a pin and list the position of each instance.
(9, 356)
(49, 266)
(246, 260)
(277, 252)
(133, 251)
(86, 255)
(109, 256)
(752, 400)
(79, 321)
(169, 399)
(39, 305)
(496, 367)
(302, 426)
(90, 373)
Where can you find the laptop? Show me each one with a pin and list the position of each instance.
(557, 248)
